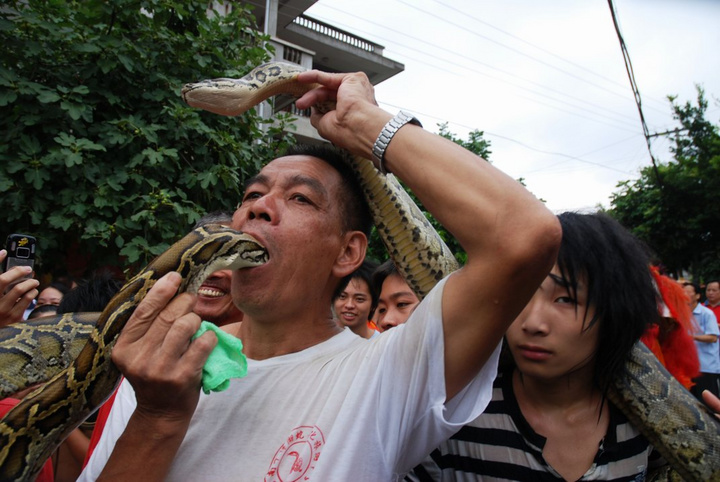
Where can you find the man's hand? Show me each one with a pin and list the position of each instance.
(157, 355)
(16, 294)
(355, 106)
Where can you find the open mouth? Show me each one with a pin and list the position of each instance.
(211, 292)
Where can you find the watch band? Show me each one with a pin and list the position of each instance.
(386, 135)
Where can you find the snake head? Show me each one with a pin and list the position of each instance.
(215, 247)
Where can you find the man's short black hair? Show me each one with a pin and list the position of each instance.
(354, 206)
(695, 286)
(614, 265)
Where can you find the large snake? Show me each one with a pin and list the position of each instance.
(684, 432)
(32, 429)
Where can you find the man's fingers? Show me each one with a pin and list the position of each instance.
(327, 79)
(179, 334)
(316, 96)
(14, 276)
(199, 350)
(150, 307)
(166, 319)
(712, 401)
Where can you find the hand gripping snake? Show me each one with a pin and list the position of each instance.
(684, 432)
(31, 430)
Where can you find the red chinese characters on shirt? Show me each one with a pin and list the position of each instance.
(297, 456)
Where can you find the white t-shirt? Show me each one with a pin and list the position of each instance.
(345, 409)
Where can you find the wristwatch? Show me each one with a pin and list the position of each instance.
(386, 135)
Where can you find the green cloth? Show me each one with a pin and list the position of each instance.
(226, 361)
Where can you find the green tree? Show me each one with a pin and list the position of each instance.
(676, 209)
(475, 144)
(97, 149)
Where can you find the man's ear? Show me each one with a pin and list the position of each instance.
(352, 254)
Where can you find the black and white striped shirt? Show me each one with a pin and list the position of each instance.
(501, 445)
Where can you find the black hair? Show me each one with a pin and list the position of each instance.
(364, 272)
(214, 217)
(61, 287)
(355, 207)
(381, 273)
(92, 295)
(695, 286)
(614, 265)
(39, 310)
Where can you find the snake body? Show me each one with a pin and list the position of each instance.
(35, 351)
(677, 424)
(684, 432)
(32, 429)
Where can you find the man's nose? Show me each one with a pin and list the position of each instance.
(263, 208)
(532, 318)
(389, 321)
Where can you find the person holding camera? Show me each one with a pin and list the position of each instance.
(16, 293)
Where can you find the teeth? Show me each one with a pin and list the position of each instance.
(213, 293)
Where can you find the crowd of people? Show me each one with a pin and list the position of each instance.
(500, 373)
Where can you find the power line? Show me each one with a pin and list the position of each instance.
(636, 92)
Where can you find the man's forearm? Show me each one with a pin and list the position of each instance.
(705, 338)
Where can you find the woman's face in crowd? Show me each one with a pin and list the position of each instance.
(49, 296)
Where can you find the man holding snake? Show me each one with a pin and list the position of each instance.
(302, 412)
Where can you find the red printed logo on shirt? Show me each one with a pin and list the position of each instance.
(297, 456)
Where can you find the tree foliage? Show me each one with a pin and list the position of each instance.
(98, 151)
(475, 144)
(676, 209)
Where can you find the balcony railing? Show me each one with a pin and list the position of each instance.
(337, 34)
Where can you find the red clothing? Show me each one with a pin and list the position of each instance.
(715, 309)
(46, 473)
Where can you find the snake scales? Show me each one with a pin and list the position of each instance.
(683, 431)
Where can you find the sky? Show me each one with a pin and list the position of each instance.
(545, 80)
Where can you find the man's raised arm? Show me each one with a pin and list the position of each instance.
(511, 239)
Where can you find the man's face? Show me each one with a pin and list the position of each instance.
(353, 305)
(547, 339)
(692, 296)
(397, 301)
(712, 292)
(292, 209)
(214, 300)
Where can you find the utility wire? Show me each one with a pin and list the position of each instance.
(636, 92)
